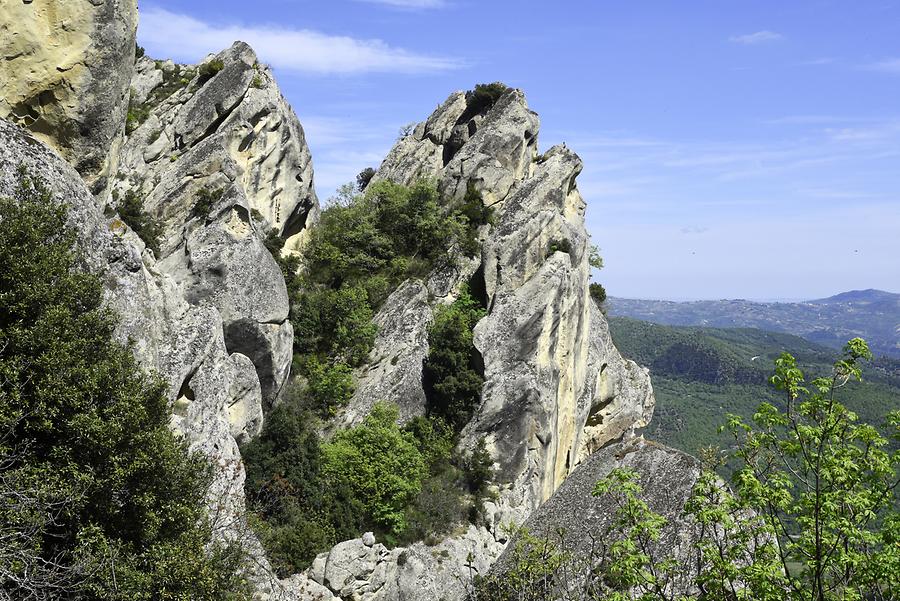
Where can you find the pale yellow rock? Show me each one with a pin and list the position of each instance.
(64, 73)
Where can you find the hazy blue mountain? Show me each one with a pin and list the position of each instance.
(870, 314)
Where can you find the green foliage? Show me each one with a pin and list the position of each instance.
(131, 210)
(598, 293)
(330, 386)
(257, 82)
(136, 115)
(700, 374)
(813, 515)
(453, 372)
(97, 496)
(483, 98)
(380, 463)
(210, 68)
(139, 52)
(334, 324)
(363, 178)
(206, 199)
(390, 230)
(823, 483)
(563, 245)
(594, 258)
(299, 511)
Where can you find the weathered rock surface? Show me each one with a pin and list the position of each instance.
(393, 371)
(556, 389)
(365, 570)
(183, 343)
(555, 386)
(667, 477)
(222, 131)
(65, 72)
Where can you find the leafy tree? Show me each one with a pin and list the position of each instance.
(131, 210)
(824, 485)
(330, 385)
(453, 373)
(365, 176)
(300, 512)
(380, 463)
(98, 498)
(598, 293)
(813, 515)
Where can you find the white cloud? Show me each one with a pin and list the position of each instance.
(759, 37)
(414, 4)
(185, 38)
(891, 65)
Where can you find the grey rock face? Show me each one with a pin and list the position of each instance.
(183, 343)
(65, 71)
(667, 477)
(370, 572)
(556, 389)
(228, 136)
(393, 371)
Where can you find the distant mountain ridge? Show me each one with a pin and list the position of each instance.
(870, 314)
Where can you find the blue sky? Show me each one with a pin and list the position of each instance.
(733, 149)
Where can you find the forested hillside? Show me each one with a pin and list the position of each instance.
(700, 374)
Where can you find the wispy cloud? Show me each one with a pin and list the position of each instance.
(410, 4)
(891, 65)
(186, 38)
(760, 37)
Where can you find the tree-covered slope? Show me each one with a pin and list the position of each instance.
(700, 374)
(870, 314)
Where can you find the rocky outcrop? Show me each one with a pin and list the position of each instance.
(555, 386)
(65, 71)
(364, 570)
(220, 159)
(181, 342)
(393, 370)
(556, 389)
(574, 520)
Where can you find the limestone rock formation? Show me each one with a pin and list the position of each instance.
(183, 343)
(220, 159)
(65, 72)
(365, 570)
(555, 386)
(667, 477)
(556, 389)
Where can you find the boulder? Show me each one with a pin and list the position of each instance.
(573, 519)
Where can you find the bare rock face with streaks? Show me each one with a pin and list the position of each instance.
(556, 389)
(220, 159)
(64, 75)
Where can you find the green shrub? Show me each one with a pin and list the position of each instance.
(330, 386)
(453, 372)
(206, 199)
(131, 211)
(299, 512)
(136, 115)
(334, 324)
(89, 468)
(210, 68)
(598, 293)
(483, 98)
(562, 245)
(365, 176)
(380, 464)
